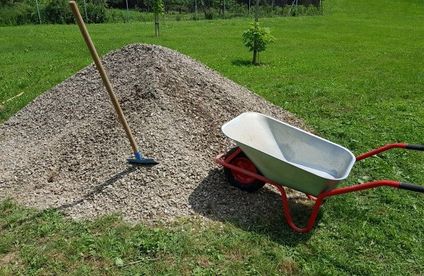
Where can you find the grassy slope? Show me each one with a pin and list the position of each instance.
(356, 75)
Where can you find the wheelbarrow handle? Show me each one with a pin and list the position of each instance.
(388, 147)
(415, 147)
(411, 187)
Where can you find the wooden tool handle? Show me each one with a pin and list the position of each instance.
(103, 74)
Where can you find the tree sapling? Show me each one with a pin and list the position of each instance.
(158, 10)
(256, 38)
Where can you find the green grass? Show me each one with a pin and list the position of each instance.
(46, 242)
(354, 74)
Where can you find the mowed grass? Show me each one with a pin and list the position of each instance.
(355, 75)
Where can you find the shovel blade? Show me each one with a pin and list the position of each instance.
(142, 161)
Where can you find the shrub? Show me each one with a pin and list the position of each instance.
(57, 11)
(312, 10)
(278, 10)
(96, 12)
(115, 16)
(286, 10)
(209, 14)
(17, 14)
(238, 10)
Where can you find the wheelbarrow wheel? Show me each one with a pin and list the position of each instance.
(240, 180)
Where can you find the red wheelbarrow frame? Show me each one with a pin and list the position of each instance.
(225, 160)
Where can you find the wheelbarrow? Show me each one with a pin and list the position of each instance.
(273, 152)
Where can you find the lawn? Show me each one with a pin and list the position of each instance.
(355, 75)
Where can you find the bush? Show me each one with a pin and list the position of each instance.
(18, 14)
(278, 10)
(118, 16)
(238, 10)
(209, 13)
(96, 12)
(312, 10)
(51, 11)
(285, 10)
(57, 11)
(115, 15)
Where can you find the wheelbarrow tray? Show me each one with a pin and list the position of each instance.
(288, 155)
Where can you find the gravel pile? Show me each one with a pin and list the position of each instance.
(67, 150)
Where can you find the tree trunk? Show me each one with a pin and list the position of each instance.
(255, 57)
(257, 11)
(156, 25)
(128, 14)
(255, 52)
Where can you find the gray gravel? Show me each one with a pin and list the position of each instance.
(67, 150)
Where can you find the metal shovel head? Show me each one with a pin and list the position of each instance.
(141, 161)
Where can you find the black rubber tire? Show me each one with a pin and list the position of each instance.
(251, 187)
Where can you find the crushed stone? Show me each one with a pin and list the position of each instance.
(66, 149)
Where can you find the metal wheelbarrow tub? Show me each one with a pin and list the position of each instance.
(288, 155)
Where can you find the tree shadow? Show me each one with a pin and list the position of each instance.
(96, 190)
(259, 212)
(247, 63)
(242, 62)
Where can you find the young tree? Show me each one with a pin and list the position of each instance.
(158, 10)
(256, 38)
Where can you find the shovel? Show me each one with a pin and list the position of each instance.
(138, 158)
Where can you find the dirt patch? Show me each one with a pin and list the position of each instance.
(8, 259)
(67, 150)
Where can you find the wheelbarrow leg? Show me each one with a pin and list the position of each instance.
(287, 214)
(338, 191)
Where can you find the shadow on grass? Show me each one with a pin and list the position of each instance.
(96, 190)
(259, 212)
(242, 62)
(247, 63)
